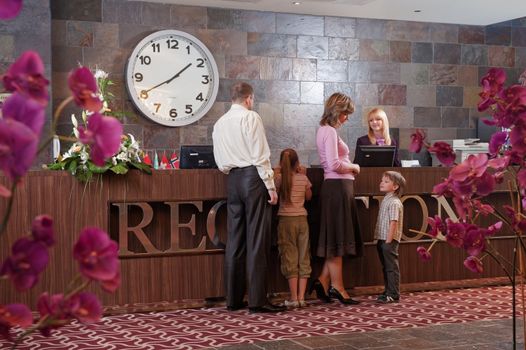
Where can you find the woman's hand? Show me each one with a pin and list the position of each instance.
(355, 169)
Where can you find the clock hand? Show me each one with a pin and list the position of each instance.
(178, 73)
(145, 92)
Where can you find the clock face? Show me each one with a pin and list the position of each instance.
(172, 78)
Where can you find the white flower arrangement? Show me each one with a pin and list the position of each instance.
(77, 160)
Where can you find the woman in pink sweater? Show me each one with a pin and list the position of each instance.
(339, 231)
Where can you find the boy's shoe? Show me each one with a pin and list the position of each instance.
(292, 304)
(381, 296)
(386, 299)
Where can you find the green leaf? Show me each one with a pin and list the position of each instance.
(72, 167)
(84, 175)
(119, 169)
(142, 166)
(97, 169)
(56, 166)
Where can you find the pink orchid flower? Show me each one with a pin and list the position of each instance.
(86, 307)
(437, 226)
(444, 152)
(474, 264)
(473, 166)
(424, 254)
(55, 307)
(26, 76)
(103, 135)
(417, 141)
(42, 230)
(494, 228)
(96, 254)
(83, 85)
(13, 315)
(474, 240)
(491, 83)
(518, 140)
(20, 129)
(28, 259)
(455, 233)
(496, 141)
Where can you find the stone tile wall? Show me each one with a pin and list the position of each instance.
(425, 75)
(31, 30)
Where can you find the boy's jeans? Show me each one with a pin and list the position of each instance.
(388, 254)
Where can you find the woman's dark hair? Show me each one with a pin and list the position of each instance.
(335, 105)
(288, 161)
(240, 91)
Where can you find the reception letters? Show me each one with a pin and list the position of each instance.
(209, 231)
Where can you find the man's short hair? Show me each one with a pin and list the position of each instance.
(397, 179)
(240, 91)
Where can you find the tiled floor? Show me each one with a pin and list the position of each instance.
(480, 335)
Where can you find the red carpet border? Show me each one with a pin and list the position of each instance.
(215, 327)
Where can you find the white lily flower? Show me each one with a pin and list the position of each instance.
(74, 121)
(100, 74)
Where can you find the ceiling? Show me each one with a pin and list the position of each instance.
(474, 12)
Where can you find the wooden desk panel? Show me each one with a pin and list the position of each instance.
(195, 275)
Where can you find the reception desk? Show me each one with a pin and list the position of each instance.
(171, 230)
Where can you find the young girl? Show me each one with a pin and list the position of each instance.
(293, 230)
(378, 133)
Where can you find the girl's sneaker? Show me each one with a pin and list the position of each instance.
(292, 304)
(302, 303)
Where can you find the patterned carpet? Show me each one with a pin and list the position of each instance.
(215, 327)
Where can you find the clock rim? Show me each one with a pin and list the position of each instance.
(129, 66)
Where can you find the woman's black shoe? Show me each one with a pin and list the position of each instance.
(320, 291)
(334, 293)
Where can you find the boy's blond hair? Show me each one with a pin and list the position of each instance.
(397, 179)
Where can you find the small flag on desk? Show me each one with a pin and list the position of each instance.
(164, 162)
(147, 159)
(155, 161)
(174, 161)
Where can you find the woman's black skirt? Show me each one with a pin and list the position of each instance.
(339, 228)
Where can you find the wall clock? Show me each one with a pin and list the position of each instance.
(172, 78)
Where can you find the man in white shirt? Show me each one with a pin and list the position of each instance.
(241, 151)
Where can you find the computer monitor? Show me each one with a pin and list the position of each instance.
(375, 156)
(197, 157)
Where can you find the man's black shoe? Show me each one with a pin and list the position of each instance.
(266, 309)
(237, 306)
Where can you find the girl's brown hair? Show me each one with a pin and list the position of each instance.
(385, 125)
(288, 161)
(335, 105)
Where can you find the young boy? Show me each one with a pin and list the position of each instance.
(388, 232)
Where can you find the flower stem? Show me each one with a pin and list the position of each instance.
(9, 207)
(72, 283)
(513, 301)
(501, 217)
(422, 233)
(44, 321)
(45, 144)
(500, 264)
(499, 255)
(67, 138)
(58, 113)
(78, 289)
